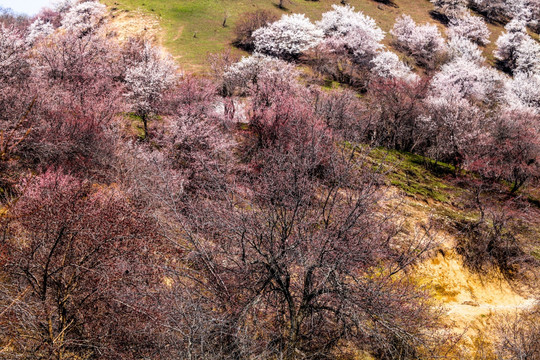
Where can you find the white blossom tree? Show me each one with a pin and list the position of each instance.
(37, 30)
(472, 27)
(523, 92)
(146, 82)
(528, 56)
(84, 18)
(508, 43)
(469, 79)
(453, 127)
(534, 19)
(423, 42)
(242, 75)
(351, 32)
(527, 11)
(494, 10)
(63, 6)
(288, 37)
(388, 65)
(461, 47)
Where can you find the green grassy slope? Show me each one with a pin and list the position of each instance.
(194, 28)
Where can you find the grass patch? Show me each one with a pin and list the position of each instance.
(417, 175)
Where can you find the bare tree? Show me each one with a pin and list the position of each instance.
(75, 272)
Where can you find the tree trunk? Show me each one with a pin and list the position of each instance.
(145, 126)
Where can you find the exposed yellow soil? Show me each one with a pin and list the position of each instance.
(471, 301)
(135, 24)
(468, 297)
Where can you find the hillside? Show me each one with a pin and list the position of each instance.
(341, 193)
(190, 29)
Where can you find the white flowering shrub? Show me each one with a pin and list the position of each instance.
(469, 79)
(472, 27)
(460, 47)
(508, 43)
(243, 74)
(528, 56)
(424, 42)
(288, 37)
(450, 8)
(523, 92)
(351, 32)
(38, 30)
(388, 65)
(84, 18)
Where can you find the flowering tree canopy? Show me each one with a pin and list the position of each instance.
(523, 92)
(424, 42)
(528, 56)
(450, 8)
(508, 43)
(351, 32)
(147, 80)
(388, 65)
(37, 30)
(472, 27)
(288, 37)
(84, 18)
(11, 48)
(460, 47)
(247, 71)
(468, 79)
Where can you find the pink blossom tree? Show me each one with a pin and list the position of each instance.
(511, 149)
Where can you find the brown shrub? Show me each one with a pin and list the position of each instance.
(248, 23)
